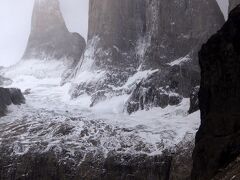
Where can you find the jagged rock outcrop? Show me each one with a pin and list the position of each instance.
(167, 86)
(9, 96)
(218, 139)
(233, 4)
(49, 37)
(162, 88)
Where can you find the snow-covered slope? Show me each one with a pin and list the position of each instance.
(52, 119)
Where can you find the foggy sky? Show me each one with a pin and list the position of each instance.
(224, 7)
(15, 19)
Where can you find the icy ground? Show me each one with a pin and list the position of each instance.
(50, 120)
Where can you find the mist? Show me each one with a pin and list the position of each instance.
(15, 19)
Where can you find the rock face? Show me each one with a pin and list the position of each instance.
(233, 4)
(49, 37)
(118, 25)
(178, 28)
(115, 28)
(8, 97)
(218, 141)
(126, 37)
(175, 31)
(171, 29)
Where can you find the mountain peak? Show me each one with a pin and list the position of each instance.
(49, 37)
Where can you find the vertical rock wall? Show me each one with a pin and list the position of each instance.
(218, 139)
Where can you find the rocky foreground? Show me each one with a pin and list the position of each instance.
(45, 139)
(94, 165)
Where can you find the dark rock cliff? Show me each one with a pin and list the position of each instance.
(49, 37)
(233, 4)
(115, 27)
(178, 28)
(175, 31)
(126, 37)
(10, 96)
(194, 102)
(118, 24)
(218, 139)
(171, 29)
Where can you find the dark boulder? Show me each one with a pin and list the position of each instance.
(194, 102)
(10, 96)
(218, 139)
(16, 96)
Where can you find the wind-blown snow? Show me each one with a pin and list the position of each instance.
(50, 120)
(143, 44)
(180, 61)
(137, 77)
(40, 69)
(84, 71)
